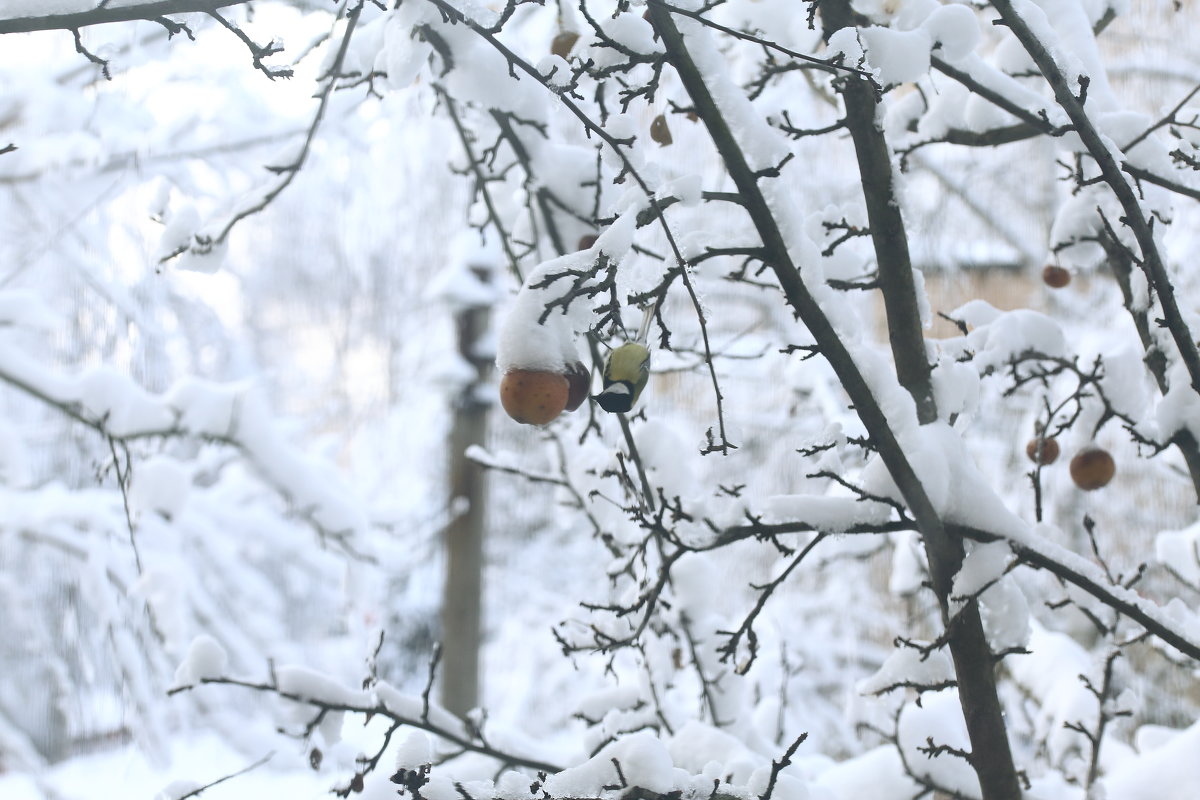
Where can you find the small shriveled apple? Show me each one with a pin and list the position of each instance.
(579, 381)
(1056, 277)
(586, 241)
(533, 397)
(659, 131)
(563, 42)
(1042, 451)
(1092, 468)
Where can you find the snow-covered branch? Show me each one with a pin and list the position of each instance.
(90, 12)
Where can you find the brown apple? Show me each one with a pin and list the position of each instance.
(659, 131)
(586, 241)
(533, 397)
(579, 381)
(1055, 277)
(1092, 468)
(1049, 450)
(563, 42)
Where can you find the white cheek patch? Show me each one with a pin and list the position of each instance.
(618, 388)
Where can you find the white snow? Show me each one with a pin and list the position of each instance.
(938, 717)
(415, 750)
(205, 659)
(897, 56)
(830, 514)
(1170, 771)
(160, 484)
(526, 343)
(954, 30)
(907, 666)
(1179, 551)
(644, 759)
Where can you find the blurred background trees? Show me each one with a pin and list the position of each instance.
(243, 431)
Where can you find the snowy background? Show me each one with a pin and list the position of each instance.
(230, 375)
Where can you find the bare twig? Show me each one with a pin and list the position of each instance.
(196, 792)
(205, 244)
(104, 14)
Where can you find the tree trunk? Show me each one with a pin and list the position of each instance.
(463, 591)
(974, 663)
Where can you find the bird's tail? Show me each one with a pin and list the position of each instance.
(647, 317)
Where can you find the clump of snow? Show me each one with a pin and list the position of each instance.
(596, 704)
(909, 571)
(955, 388)
(121, 404)
(416, 750)
(832, 514)
(1050, 673)
(897, 56)
(644, 759)
(204, 407)
(1180, 552)
(555, 70)
(939, 717)
(160, 484)
(14, 456)
(787, 787)
(1179, 407)
(403, 55)
(878, 774)
(208, 259)
(1078, 220)
(902, 14)
(182, 224)
(177, 789)
(702, 749)
(631, 31)
(309, 683)
(846, 43)
(206, 658)
(1170, 771)
(459, 287)
(1004, 611)
(527, 343)
(954, 29)
(22, 308)
(936, 453)
(1001, 336)
(907, 666)
(985, 564)
(1126, 381)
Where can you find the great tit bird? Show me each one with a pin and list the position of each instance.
(625, 374)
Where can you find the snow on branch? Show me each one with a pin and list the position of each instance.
(91, 12)
(204, 245)
(325, 697)
(237, 415)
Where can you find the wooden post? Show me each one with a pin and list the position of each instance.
(463, 592)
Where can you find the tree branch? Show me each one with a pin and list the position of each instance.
(1112, 172)
(151, 10)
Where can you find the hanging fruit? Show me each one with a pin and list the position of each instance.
(533, 397)
(659, 131)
